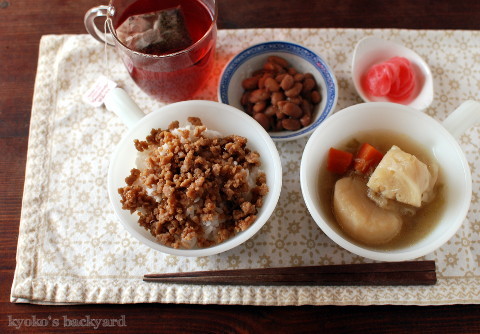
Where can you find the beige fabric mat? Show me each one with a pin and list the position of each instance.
(72, 249)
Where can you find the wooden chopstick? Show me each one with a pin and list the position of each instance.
(384, 273)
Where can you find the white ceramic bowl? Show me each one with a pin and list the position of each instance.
(216, 116)
(424, 130)
(304, 60)
(372, 50)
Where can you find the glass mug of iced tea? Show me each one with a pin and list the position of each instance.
(167, 46)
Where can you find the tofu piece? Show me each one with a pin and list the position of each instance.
(402, 177)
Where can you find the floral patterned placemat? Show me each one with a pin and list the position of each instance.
(72, 249)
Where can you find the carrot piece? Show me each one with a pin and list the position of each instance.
(367, 157)
(338, 160)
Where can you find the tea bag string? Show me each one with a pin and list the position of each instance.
(106, 63)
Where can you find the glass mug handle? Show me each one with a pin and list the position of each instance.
(92, 29)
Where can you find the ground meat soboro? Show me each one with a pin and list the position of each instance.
(193, 188)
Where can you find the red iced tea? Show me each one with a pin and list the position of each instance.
(173, 74)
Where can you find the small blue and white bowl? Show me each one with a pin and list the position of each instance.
(242, 66)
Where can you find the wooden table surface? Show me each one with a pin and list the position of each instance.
(23, 22)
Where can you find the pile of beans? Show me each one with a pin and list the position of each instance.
(279, 97)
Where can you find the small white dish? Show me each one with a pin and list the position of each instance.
(372, 50)
(304, 60)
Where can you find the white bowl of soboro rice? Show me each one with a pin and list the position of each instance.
(195, 178)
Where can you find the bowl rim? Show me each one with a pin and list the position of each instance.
(237, 239)
(291, 48)
(365, 251)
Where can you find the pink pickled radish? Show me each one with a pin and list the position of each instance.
(393, 78)
(403, 87)
(379, 79)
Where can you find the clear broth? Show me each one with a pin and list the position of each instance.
(414, 228)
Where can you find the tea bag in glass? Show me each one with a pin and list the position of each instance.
(158, 32)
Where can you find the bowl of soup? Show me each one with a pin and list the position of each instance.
(388, 182)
